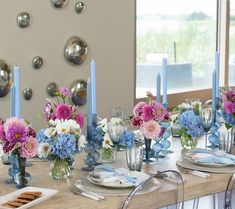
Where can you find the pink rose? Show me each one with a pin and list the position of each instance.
(228, 107)
(147, 112)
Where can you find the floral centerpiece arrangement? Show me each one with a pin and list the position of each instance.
(59, 142)
(228, 107)
(19, 140)
(191, 128)
(109, 137)
(148, 117)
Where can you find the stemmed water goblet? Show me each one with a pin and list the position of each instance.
(115, 133)
(207, 117)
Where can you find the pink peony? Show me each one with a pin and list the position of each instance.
(159, 112)
(80, 119)
(151, 129)
(137, 111)
(16, 130)
(228, 107)
(147, 113)
(63, 112)
(136, 121)
(29, 148)
(65, 92)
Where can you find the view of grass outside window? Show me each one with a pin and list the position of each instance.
(231, 73)
(184, 32)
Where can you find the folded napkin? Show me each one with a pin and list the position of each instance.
(108, 174)
(211, 157)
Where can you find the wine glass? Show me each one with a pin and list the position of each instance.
(207, 117)
(117, 112)
(115, 132)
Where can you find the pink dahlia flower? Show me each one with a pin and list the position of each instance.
(16, 130)
(147, 114)
(137, 110)
(80, 119)
(29, 148)
(158, 111)
(63, 111)
(151, 129)
(49, 111)
(65, 92)
(2, 134)
(228, 107)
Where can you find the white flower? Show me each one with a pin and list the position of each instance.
(82, 141)
(49, 132)
(107, 143)
(62, 127)
(103, 124)
(54, 122)
(74, 126)
(116, 121)
(44, 150)
(184, 106)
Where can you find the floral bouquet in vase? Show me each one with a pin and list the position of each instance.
(228, 108)
(60, 141)
(148, 116)
(19, 141)
(191, 128)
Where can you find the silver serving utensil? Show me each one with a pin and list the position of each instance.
(77, 191)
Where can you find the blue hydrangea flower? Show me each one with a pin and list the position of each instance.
(41, 137)
(192, 123)
(128, 138)
(64, 146)
(228, 118)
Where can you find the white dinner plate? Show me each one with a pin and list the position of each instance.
(212, 165)
(46, 194)
(120, 184)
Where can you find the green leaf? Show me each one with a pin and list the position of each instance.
(228, 126)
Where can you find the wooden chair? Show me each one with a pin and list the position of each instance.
(168, 177)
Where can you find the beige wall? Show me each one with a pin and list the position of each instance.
(106, 25)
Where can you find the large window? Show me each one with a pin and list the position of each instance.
(184, 32)
(231, 74)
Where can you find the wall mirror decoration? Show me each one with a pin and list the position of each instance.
(79, 7)
(79, 92)
(5, 78)
(28, 93)
(75, 50)
(23, 19)
(37, 62)
(52, 88)
(59, 3)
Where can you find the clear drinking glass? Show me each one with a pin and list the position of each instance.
(134, 157)
(207, 117)
(226, 141)
(117, 112)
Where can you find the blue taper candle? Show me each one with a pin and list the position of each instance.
(93, 86)
(164, 81)
(158, 88)
(214, 91)
(89, 102)
(17, 90)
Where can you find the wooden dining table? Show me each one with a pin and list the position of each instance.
(194, 186)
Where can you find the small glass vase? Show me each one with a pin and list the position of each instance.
(14, 168)
(22, 178)
(107, 155)
(60, 169)
(134, 157)
(147, 158)
(188, 143)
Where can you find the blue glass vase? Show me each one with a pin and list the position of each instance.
(14, 169)
(22, 178)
